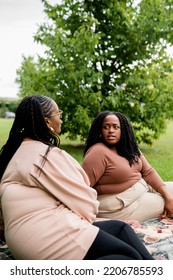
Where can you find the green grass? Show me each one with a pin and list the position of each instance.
(5, 125)
(160, 155)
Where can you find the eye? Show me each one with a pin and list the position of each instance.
(106, 126)
(116, 127)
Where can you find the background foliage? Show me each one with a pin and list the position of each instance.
(160, 155)
(105, 55)
(7, 105)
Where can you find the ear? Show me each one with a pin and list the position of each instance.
(47, 122)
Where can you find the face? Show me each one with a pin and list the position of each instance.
(54, 120)
(111, 130)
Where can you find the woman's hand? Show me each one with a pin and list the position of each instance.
(168, 197)
(168, 208)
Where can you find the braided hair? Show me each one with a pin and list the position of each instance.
(29, 122)
(126, 147)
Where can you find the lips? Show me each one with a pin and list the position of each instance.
(111, 137)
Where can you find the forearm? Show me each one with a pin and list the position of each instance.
(165, 193)
(150, 175)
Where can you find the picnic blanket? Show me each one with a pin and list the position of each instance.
(156, 234)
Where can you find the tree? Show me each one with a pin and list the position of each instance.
(105, 55)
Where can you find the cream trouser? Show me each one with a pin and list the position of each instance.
(140, 202)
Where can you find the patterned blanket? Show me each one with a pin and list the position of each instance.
(156, 234)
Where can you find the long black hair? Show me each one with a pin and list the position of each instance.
(29, 122)
(127, 146)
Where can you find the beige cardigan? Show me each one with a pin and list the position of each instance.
(48, 214)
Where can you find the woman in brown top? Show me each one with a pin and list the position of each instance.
(127, 186)
(48, 209)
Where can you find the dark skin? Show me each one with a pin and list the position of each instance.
(111, 134)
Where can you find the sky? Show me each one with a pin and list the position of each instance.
(19, 20)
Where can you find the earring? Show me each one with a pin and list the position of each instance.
(51, 128)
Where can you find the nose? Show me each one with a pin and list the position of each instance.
(111, 129)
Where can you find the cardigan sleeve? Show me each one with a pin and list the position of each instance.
(63, 177)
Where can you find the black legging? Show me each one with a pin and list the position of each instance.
(116, 240)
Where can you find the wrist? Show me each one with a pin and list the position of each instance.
(163, 191)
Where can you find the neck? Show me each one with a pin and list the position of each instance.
(27, 139)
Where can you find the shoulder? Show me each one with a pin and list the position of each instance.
(98, 147)
(34, 144)
(58, 155)
(142, 158)
(144, 162)
(41, 149)
(99, 152)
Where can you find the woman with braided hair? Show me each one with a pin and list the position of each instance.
(48, 208)
(127, 185)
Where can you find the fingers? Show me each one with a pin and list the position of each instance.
(166, 213)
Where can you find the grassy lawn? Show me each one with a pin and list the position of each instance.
(5, 125)
(160, 155)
